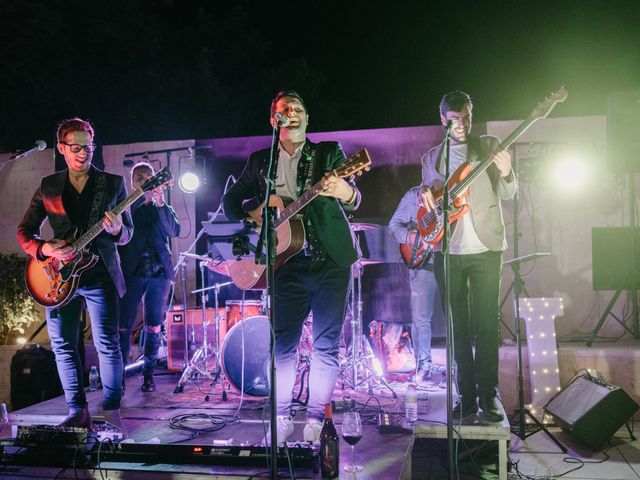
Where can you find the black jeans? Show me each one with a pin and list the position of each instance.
(155, 292)
(320, 286)
(474, 283)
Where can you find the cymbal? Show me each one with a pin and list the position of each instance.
(361, 227)
(204, 258)
(366, 261)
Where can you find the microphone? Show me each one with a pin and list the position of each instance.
(38, 146)
(281, 119)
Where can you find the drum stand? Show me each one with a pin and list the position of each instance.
(357, 367)
(198, 365)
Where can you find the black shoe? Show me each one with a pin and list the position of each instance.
(148, 384)
(78, 419)
(491, 411)
(465, 409)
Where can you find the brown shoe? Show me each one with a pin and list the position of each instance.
(78, 419)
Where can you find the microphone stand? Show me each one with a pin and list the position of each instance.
(267, 242)
(447, 302)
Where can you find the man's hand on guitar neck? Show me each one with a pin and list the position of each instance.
(503, 162)
(60, 249)
(112, 223)
(334, 186)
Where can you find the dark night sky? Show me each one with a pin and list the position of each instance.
(160, 70)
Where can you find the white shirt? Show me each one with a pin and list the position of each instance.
(287, 173)
(464, 239)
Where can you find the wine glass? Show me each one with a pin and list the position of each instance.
(352, 433)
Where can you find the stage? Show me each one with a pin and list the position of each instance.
(401, 453)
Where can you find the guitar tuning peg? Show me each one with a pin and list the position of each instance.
(360, 173)
(366, 169)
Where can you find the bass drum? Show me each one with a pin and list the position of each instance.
(254, 334)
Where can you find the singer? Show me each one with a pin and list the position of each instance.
(73, 200)
(476, 246)
(317, 278)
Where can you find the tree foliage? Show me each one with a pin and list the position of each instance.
(17, 309)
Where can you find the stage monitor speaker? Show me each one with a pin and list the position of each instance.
(174, 326)
(591, 410)
(623, 124)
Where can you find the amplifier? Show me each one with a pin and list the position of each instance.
(591, 410)
(175, 326)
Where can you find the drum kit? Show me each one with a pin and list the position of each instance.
(238, 354)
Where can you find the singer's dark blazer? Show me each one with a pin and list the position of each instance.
(327, 214)
(46, 204)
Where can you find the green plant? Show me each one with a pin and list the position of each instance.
(17, 309)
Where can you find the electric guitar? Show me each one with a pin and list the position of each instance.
(290, 235)
(430, 222)
(415, 252)
(53, 282)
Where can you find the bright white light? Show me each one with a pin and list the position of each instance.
(189, 182)
(21, 340)
(569, 172)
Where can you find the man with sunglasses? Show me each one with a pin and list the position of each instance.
(73, 200)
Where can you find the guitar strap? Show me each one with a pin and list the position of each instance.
(306, 167)
(97, 208)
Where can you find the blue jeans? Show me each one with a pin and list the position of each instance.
(64, 329)
(301, 286)
(424, 290)
(475, 297)
(155, 292)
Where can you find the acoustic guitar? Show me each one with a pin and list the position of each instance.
(290, 234)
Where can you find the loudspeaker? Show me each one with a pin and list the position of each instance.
(615, 264)
(623, 124)
(591, 410)
(175, 326)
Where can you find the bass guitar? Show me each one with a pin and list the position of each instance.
(290, 234)
(430, 222)
(52, 282)
(415, 252)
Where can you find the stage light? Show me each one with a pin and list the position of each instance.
(21, 341)
(570, 167)
(189, 182)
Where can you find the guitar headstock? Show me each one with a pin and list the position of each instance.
(355, 165)
(160, 178)
(544, 108)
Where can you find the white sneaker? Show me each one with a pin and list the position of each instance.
(312, 431)
(285, 429)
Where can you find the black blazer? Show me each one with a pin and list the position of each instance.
(327, 214)
(164, 224)
(46, 204)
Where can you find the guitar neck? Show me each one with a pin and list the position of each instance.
(298, 204)
(506, 143)
(96, 229)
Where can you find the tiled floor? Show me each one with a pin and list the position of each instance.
(537, 456)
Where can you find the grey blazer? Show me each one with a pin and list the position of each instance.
(485, 193)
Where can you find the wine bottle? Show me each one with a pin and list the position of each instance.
(329, 446)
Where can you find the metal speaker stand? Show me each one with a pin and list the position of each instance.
(521, 413)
